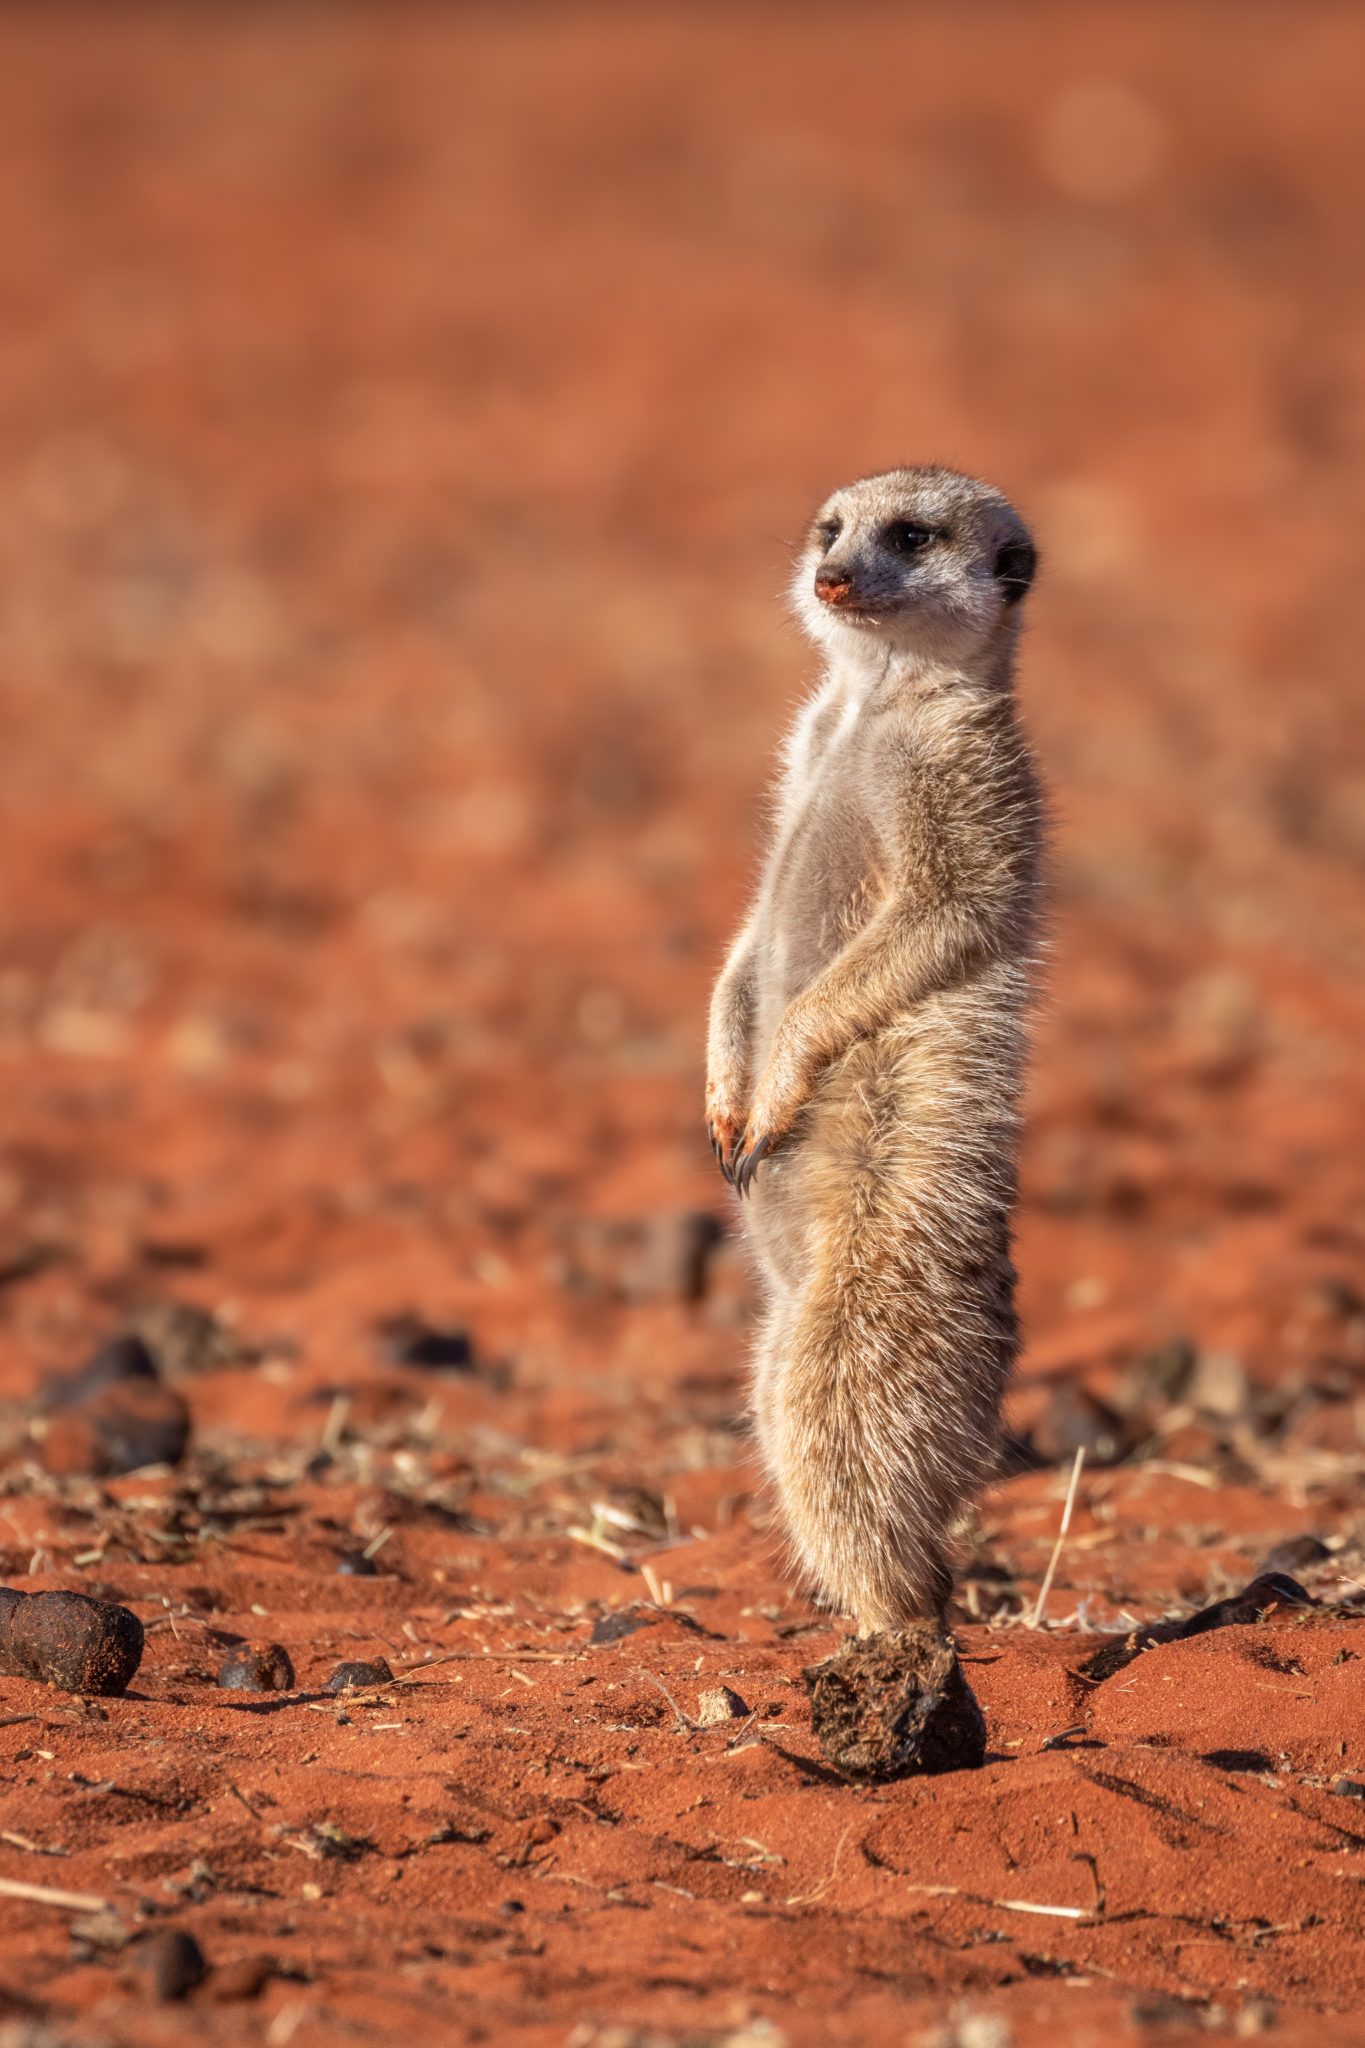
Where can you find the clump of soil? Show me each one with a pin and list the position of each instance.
(68, 1640)
(168, 1965)
(887, 1705)
(357, 1674)
(249, 1668)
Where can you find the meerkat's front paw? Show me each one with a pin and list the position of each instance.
(724, 1125)
(764, 1132)
(778, 1102)
(753, 1149)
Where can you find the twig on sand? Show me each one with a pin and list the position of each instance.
(953, 1891)
(686, 1725)
(46, 1895)
(29, 1848)
(809, 1898)
(1057, 1548)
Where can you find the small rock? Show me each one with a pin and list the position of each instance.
(359, 1677)
(121, 1359)
(119, 1428)
(169, 1964)
(720, 1704)
(353, 1564)
(886, 1705)
(1075, 1419)
(68, 1640)
(611, 1628)
(185, 1340)
(1219, 1386)
(99, 1933)
(408, 1340)
(1335, 1298)
(1262, 1596)
(1296, 1553)
(1266, 1592)
(247, 1668)
(1349, 1788)
(674, 1257)
(246, 1977)
(656, 1258)
(1158, 1379)
(1165, 2009)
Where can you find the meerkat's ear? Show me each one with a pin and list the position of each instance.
(1015, 565)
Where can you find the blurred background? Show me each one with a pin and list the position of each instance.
(405, 414)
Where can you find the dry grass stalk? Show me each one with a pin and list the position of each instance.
(1057, 1548)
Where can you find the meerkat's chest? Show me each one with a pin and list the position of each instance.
(827, 871)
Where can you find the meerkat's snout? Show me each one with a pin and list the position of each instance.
(834, 586)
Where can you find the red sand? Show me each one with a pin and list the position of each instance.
(395, 412)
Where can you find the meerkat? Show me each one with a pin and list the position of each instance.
(867, 1039)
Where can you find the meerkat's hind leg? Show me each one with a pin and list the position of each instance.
(770, 1348)
(885, 1409)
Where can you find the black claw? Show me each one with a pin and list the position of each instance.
(748, 1166)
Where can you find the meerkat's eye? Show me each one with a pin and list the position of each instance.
(827, 531)
(906, 537)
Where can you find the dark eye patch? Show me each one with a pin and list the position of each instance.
(1015, 565)
(828, 530)
(907, 537)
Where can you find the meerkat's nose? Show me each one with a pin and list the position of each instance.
(833, 586)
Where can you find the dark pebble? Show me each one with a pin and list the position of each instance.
(169, 1964)
(121, 1359)
(887, 1705)
(68, 1640)
(1296, 1553)
(185, 1340)
(355, 1565)
(410, 1341)
(1075, 1420)
(1158, 1379)
(656, 1258)
(247, 1977)
(249, 1669)
(1265, 1593)
(356, 1677)
(118, 1429)
(1349, 1788)
(611, 1628)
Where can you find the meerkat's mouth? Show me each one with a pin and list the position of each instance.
(866, 617)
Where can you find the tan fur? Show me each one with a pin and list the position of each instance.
(866, 1040)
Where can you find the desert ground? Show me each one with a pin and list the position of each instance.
(405, 416)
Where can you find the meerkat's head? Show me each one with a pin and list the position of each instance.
(922, 562)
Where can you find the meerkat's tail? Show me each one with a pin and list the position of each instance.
(879, 1407)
